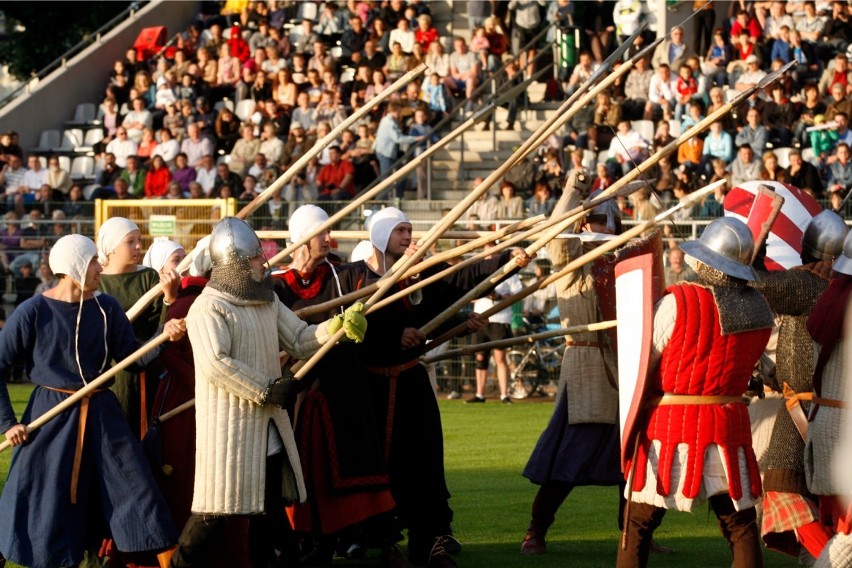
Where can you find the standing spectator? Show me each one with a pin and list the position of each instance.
(526, 23)
(464, 71)
(702, 25)
(157, 180)
(388, 138)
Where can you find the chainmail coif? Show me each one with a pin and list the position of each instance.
(740, 308)
(235, 279)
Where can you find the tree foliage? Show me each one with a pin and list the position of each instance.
(49, 30)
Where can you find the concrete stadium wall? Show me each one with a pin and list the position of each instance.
(84, 78)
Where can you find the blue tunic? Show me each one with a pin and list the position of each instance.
(116, 495)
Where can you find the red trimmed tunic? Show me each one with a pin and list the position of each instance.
(700, 360)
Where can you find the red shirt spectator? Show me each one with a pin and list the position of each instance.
(157, 180)
(425, 33)
(239, 47)
(336, 179)
(744, 21)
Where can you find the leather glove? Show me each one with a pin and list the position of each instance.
(283, 391)
(352, 321)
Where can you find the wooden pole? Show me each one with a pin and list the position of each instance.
(365, 235)
(532, 338)
(91, 386)
(288, 175)
(578, 262)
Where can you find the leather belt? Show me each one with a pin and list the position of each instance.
(669, 399)
(394, 371)
(572, 343)
(81, 433)
(830, 402)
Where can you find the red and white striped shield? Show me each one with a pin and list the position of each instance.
(784, 243)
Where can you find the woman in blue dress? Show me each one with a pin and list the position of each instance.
(82, 476)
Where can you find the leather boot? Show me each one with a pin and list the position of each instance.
(635, 545)
(164, 559)
(534, 543)
(740, 530)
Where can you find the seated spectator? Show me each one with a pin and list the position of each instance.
(260, 88)
(754, 134)
(403, 35)
(677, 270)
(134, 175)
(359, 150)
(542, 200)
(509, 205)
(273, 63)
(425, 33)
(297, 144)
(249, 188)
(57, 178)
(183, 174)
(603, 179)
(694, 115)
(808, 65)
(661, 94)
(464, 71)
(752, 75)
(686, 87)
(840, 171)
(779, 118)
(636, 89)
(397, 63)
(244, 150)
(371, 56)
(335, 180)
(284, 90)
(109, 117)
(205, 174)
(227, 129)
(270, 145)
(689, 153)
(168, 147)
(26, 283)
(121, 148)
(437, 60)
(380, 34)
(673, 51)
(628, 148)
(839, 102)
(108, 171)
(771, 171)
(586, 65)
(304, 113)
(781, 47)
(837, 73)
(147, 145)
(838, 29)
(303, 37)
(353, 39)
(810, 25)
(301, 189)
(299, 69)
(331, 22)
(173, 191)
(137, 120)
(807, 111)
(743, 21)
(744, 167)
(643, 208)
(718, 144)
(157, 179)
(823, 137)
(804, 175)
(227, 74)
(662, 136)
(717, 59)
(225, 178)
(175, 124)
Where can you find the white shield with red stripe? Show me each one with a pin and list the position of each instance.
(784, 242)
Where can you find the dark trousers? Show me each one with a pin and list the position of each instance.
(267, 531)
(738, 527)
(549, 499)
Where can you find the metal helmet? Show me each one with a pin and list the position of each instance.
(726, 245)
(232, 240)
(843, 264)
(823, 238)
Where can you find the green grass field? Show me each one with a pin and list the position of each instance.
(487, 446)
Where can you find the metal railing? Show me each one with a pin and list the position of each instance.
(61, 61)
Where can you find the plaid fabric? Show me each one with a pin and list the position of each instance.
(784, 512)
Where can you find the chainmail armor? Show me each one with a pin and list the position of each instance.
(792, 294)
(235, 279)
(740, 308)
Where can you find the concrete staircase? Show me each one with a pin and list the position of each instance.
(477, 152)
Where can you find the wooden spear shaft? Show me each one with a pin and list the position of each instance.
(287, 176)
(364, 235)
(406, 262)
(578, 262)
(427, 263)
(379, 188)
(91, 386)
(532, 338)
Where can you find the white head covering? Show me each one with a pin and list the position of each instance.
(362, 251)
(71, 256)
(382, 225)
(110, 235)
(201, 264)
(304, 220)
(159, 252)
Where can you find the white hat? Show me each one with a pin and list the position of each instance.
(362, 251)
(752, 59)
(71, 256)
(304, 220)
(110, 235)
(159, 252)
(382, 225)
(201, 264)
